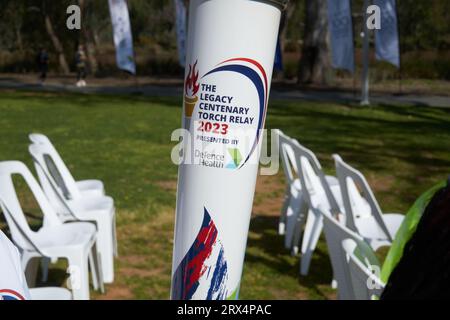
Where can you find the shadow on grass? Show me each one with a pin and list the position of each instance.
(267, 248)
(408, 143)
(92, 100)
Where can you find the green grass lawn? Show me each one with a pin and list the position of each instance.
(125, 141)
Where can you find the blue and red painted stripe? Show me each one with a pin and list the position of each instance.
(193, 269)
(8, 294)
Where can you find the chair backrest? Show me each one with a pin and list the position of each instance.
(335, 233)
(349, 180)
(39, 138)
(59, 187)
(366, 284)
(285, 145)
(20, 230)
(313, 179)
(56, 165)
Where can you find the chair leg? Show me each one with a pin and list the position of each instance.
(291, 227)
(79, 276)
(116, 247)
(334, 283)
(30, 265)
(93, 268)
(299, 223)
(105, 244)
(313, 229)
(282, 221)
(44, 268)
(97, 264)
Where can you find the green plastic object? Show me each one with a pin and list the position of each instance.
(406, 231)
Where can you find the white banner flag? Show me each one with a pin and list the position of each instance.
(180, 15)
(386, 38)
(123, 39)
(341, 34)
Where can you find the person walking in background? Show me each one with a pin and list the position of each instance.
(42, 60)
(80, 61)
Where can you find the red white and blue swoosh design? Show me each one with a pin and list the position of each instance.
(255, 72)
(203, 268)
(8, 294)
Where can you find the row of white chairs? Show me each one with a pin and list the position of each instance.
(311, 197)
(78, 220)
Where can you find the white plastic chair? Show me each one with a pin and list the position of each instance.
(74, 241)
(362, 211)
(317, 190)
(71, 205)
(366, 284)
(90, 187)
(335, 233)
(291, 209)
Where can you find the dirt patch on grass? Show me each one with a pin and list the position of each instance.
(269, 196)
(116, 293)
(269, 184)
(133, 259)
(169, 185)
(145, 250)
(380, 182)
(268, 207)
(142, 272)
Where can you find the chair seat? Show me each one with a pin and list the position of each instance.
(50, 293)
(369, 228)
(92, 193)
(393, 222)
(103, 203)
(375, 244)
(336, 190)
(90, 184)
(318, 199)
(53, 238)
(332, 180)
(87, 208)
(91, 188)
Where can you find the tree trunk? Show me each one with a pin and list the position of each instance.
(87, 40)
(90, 52)
(315, 60)
(57, 44)
(95, 38)
(19, 41)
(286, 15)
(284, 23)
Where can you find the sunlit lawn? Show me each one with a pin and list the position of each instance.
(125, 141)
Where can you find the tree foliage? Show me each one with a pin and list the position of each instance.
(424, 27)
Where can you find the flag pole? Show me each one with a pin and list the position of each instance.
(400, 78)
(365, 72)
(352, 17)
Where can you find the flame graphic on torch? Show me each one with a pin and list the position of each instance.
(191, 88)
